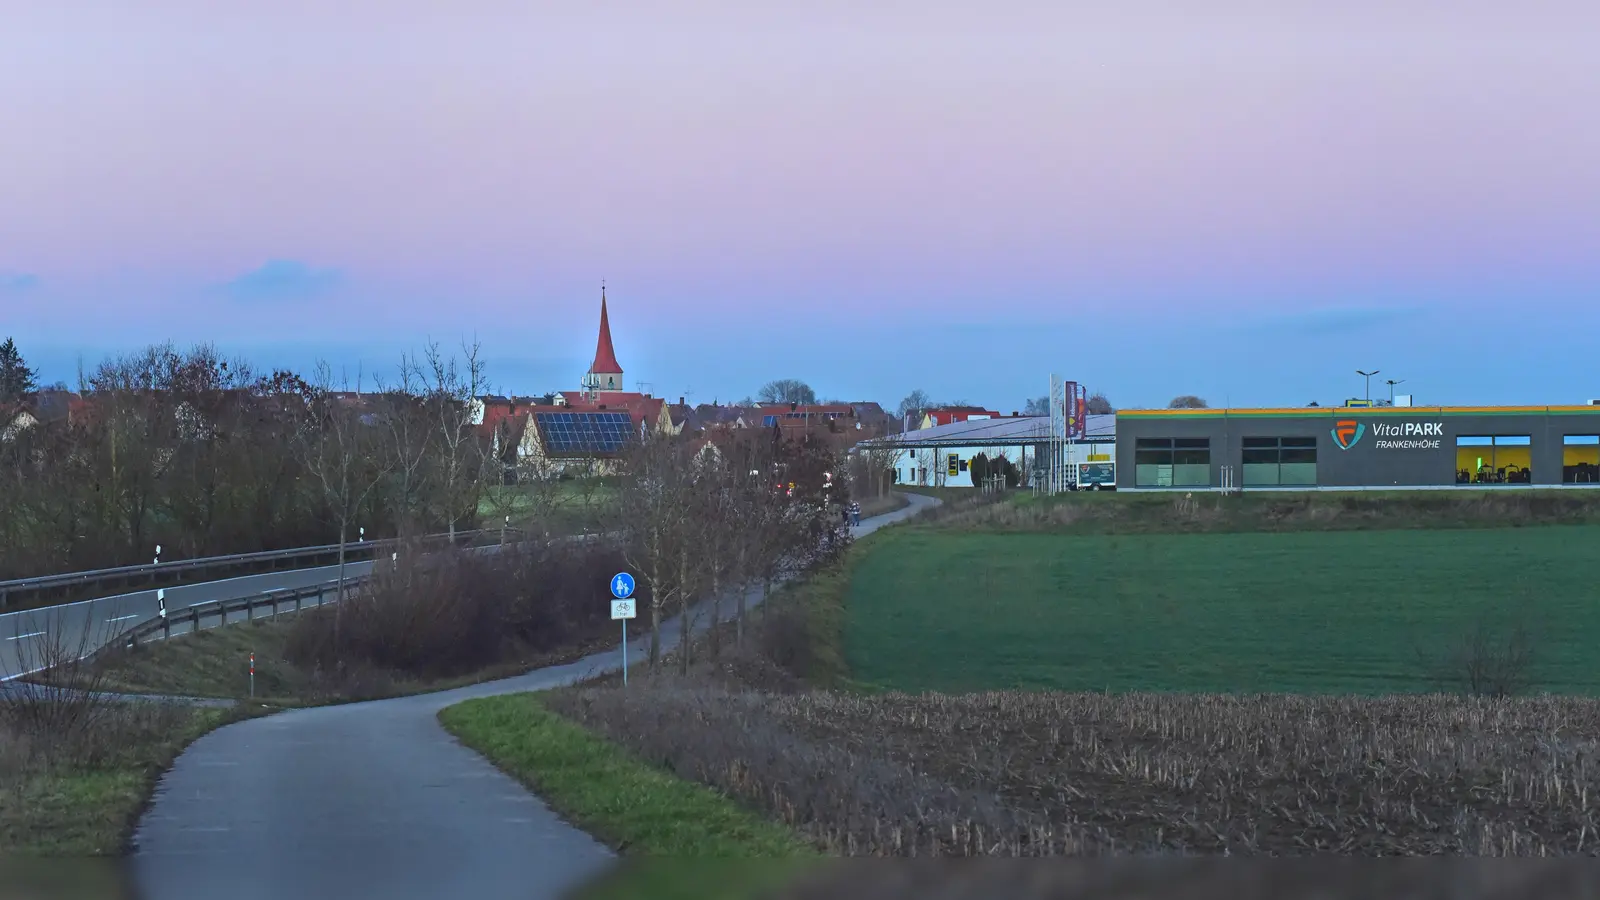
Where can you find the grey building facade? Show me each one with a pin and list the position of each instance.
(1393, 447)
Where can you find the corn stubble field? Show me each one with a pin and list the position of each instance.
(1059, 774)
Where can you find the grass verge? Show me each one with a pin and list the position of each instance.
(215, 663)
(637, 809)
(1132, 512)
(85, 803)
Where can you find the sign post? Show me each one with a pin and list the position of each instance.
(252, 674)
(622, 607)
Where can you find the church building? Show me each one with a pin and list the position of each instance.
(605, 374)
(594, 424)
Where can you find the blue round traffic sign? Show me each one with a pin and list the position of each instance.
(622, 585)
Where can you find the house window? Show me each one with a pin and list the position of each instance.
(1494, 459)
(1580, 459)
(1274, 461)
(1172, 462)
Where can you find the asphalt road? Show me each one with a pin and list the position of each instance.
(368, 800)
(29, 637)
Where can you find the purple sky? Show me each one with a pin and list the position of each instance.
(1249, 204)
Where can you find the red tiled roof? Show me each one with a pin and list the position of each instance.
(949, 414)
(497, 410)
(605, 358)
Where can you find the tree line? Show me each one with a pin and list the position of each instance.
(202, 455)
(713, 521)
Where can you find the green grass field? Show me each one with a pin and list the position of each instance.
(1329, 612)
(561, 506)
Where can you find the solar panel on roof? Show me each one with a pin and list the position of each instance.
(585, 432)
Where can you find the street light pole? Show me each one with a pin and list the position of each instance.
(1392, 382)
(1369, 381)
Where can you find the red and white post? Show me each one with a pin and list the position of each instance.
(252, 675)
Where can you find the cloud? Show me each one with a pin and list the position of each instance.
(17, 281)
(1336, 321)
(282, 279)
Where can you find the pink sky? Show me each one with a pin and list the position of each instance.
(727, 162)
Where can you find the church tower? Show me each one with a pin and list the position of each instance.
(605, 375)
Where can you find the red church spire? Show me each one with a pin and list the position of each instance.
(605, 358)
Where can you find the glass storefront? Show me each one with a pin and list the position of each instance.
(1580, 459)
(1494, 459)
(1172, 462)
(1279, 461)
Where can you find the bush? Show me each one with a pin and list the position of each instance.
(71, 722)
(447, 615)
(1487, 662)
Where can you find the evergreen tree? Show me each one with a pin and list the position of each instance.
(16, 379)
(979, 468)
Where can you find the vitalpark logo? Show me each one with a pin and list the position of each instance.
(1347, 432)
(1390, 435)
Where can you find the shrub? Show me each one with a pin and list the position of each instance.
(447, 615)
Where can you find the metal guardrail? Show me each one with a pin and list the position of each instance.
(152, 573)
(278, 600)
(245, 608)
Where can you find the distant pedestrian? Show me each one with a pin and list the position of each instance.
(855, 513)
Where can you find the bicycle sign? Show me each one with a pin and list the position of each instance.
(623, 609)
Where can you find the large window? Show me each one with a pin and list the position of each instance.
(1280, 461)
(1494, 459)
(1580, 459)
(1172, 462)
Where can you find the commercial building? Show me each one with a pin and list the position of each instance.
(1347, 448)
(942, 454)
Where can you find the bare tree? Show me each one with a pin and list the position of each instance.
(714, 533)
(462, 466)
(588, 490)
(1487, 662)
(751, 488)
(873, 467)
(1187, 401)
(340, 450)
(787, 390)
(409, 442)
(656, 510)
(1098, 405)
(915, 402)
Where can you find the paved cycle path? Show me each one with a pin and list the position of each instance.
(369, 800)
